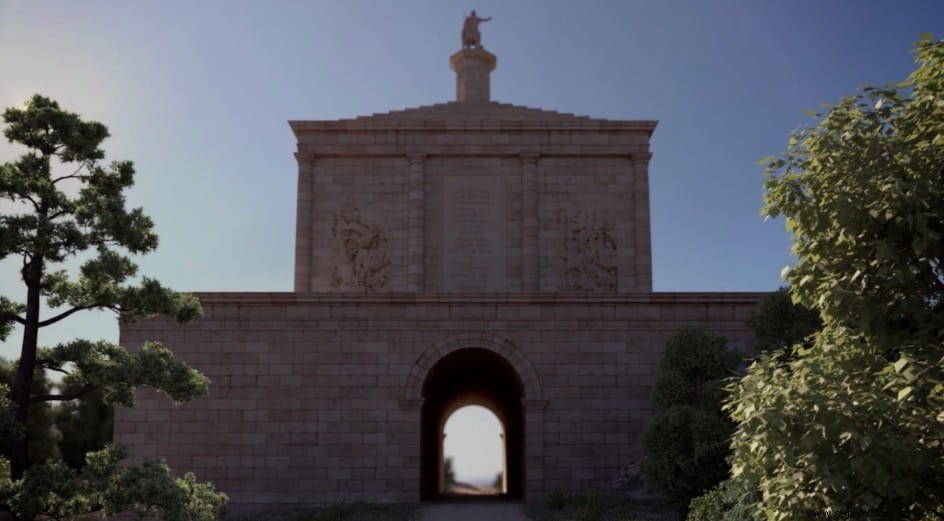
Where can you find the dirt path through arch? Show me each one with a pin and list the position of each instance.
(474, 511)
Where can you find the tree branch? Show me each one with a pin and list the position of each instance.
(60, 214)
(63, 397)
(70, 176)
(30, 199)
(11, 317)
(66, 314)
(50, 365)
(56, 180)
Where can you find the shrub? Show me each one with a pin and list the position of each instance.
(730, 500)
(335, 512)
(686, 447)
(708, 506)
(780, 323)
(589, 507)
(693, 364)
(687, 442)
(556, 500)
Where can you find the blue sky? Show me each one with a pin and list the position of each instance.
(197, 94)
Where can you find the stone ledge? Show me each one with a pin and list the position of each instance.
(287, 297)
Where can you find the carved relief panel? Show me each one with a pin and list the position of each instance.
(361, 258)
(587, 251)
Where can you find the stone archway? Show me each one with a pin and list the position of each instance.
(472, 370)
(491, 342)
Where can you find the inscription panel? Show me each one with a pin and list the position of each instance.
(474, 252)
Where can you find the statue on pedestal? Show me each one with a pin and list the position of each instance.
(471, 37)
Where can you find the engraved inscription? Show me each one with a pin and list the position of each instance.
(473, 234)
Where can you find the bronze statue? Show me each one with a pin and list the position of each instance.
(471, 37)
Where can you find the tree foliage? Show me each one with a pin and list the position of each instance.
(85, 425)
(780, 323)
(62, 204)
(731, 500)
(856, 420)
(687, 441)
(43, 439)
(54, 490)
(449, 474)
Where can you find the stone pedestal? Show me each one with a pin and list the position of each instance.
(473, 67)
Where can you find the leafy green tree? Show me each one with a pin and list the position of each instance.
(55, 490)
(687, 441)
(855, 421)
(731, 500)
(62, 202)
(68, 429)
(780, 323)
(43, 437)
(497, 482)
(85, 425)
(449, 474)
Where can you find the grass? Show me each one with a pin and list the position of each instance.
(339, 512)
(595, 506)
(557, 506)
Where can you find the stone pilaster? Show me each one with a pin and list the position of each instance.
(303, 223)
(416, 246)
(643, 258)
(529, 222)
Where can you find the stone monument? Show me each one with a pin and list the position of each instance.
(471, 37)
(467, 252)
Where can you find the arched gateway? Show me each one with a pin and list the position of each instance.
(458, 253)
(471, 377)
(473, 369)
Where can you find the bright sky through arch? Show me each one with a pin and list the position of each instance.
(474, 440)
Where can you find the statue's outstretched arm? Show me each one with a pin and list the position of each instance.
(486, 19)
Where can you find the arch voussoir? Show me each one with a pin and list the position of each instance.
(484, 340)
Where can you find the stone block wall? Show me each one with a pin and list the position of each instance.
(317, 397)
